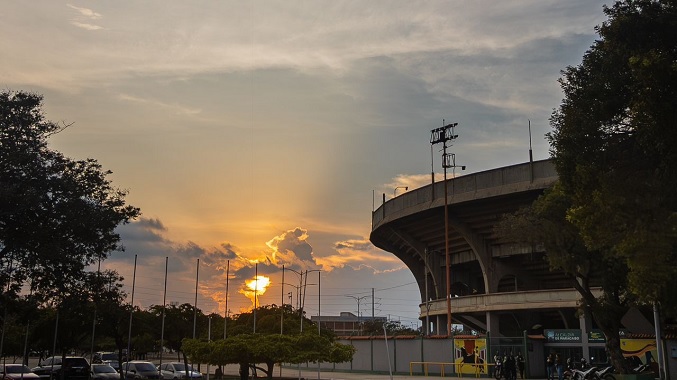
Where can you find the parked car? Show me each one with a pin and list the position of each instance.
(113, 363)
(102, 357)
(137, 369)
(104, 372)
(177, 370)
(73, 368)
(17, 371)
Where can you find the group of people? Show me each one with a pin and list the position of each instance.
(555, 366)
(508, 366)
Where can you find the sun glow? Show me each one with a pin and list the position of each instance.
(254, 288)
(258, 284)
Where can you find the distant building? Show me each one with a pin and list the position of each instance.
(346, 323)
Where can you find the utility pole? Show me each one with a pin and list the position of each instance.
(358, 299)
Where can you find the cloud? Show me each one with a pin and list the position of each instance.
(292, 248)
(86, 26)
(175, 107)
(185, 40)
(360, 254)
(85, 14)
(147, 238)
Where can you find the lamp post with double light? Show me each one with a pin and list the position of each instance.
(444, 135)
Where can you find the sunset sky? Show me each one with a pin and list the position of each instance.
(267, 131)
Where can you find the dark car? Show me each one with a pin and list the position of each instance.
(16, 372)
(137, 369)
(104, 372)
(72, 368)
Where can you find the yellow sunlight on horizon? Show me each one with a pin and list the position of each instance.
(254, 288)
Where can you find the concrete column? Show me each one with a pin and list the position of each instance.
(586, 325)
(438, 323)
(493, 324)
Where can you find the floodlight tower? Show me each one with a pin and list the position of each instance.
(444, 135)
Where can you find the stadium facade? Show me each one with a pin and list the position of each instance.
(497, 286)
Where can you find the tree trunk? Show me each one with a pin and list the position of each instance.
(269, 372)
(244, 371)
(610, 326)
(185, 364)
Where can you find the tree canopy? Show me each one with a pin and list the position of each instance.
(270, 344)
(614, 143)
(57, 215)
(248, 350)
(612, 215)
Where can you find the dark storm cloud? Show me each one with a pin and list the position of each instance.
(250, 270)
(229, 251)
(291, 248)
(142, 230)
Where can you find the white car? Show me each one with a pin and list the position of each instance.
(177, 370)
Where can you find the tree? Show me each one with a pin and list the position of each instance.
(375, 327)
(614, 146)
(57, 215)
(267, 346)
(248, 350)
(112, 312)
(544, 222)
(613, 142)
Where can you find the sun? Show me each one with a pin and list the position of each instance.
(258, 284)
(254, 288)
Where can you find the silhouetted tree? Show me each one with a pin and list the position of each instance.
(57, 215)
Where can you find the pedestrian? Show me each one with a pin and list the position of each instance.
(520, 364)
(559, 366)
(550, 366)
(509, 367)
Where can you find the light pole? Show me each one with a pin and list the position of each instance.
(427, 298)
(399, 187)
(301, 295)
(443, 135)
(225, 317)
(298, 290)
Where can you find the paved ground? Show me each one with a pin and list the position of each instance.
(307, 373)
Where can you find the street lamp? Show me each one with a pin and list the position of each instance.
(399, 187)
(443, 135)
(298, 298)
(301, 288)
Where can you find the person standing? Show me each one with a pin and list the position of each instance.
(559, 367)
(520, 364)
(509, 367)
(550, 366)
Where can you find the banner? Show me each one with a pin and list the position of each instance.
(470, 356)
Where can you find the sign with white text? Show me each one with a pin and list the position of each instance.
(563, 336)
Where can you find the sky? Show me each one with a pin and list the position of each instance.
(256, 134)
